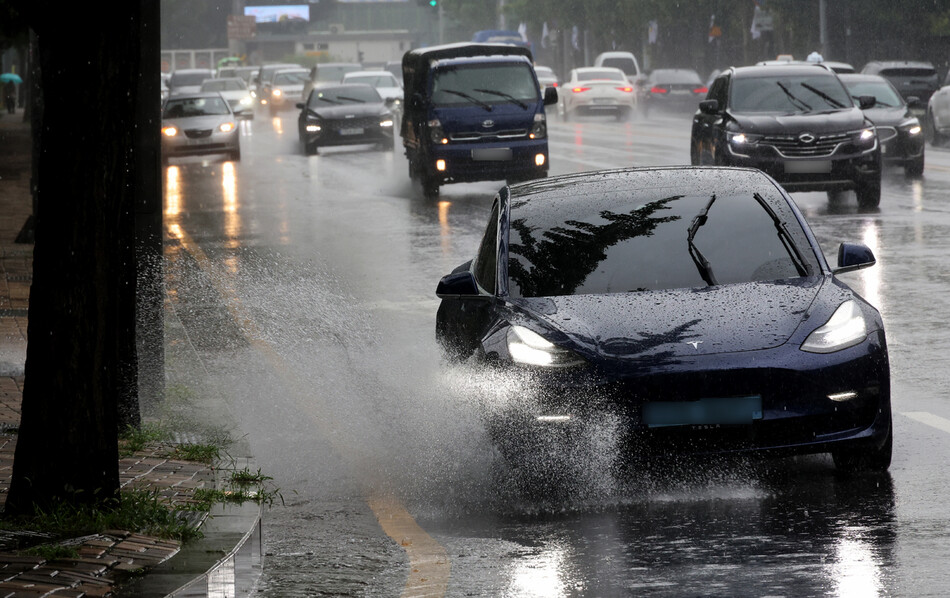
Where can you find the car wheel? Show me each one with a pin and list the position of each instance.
(869, 195)
(855, 460)
(430, 187)
(309, 149)
(914, 168)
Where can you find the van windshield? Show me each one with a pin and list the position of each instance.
(484, 84)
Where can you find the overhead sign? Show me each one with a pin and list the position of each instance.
(240, 27)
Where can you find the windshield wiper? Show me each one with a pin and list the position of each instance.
(349, 99)
(504, 95)
(702, 264)
(784, 236)
(823, 95)
(328, 100)
(471, 99)
(793, 99)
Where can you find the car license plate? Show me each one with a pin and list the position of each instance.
(808, 166)
(351, 131)
(603, 101)
(491, 154)
(710, 411)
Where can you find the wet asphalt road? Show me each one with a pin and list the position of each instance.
(306, 285)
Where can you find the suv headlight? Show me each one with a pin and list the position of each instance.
(530, 348)
(864, 137)
(846, 328)
(740, 139)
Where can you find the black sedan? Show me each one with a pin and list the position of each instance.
(344, 115)
(694, 304)
(898, 130)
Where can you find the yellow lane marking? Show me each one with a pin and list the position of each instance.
(428, 562)
(429, 566)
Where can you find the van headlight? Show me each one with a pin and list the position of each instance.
(540, 128)
(527, 347)
(846, 328)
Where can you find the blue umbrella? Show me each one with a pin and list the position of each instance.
(10, 77)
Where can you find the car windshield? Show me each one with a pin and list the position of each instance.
(291, 78)
(374, 80)
(334, 73)
(624, 64)
(884, 94)
(182, 79)
(353, 94)
(185, 107)
(224, 85)
(622, 241)
(787, 94)
(668, 77)
(600, 75)
(909, 72)
(483, 84)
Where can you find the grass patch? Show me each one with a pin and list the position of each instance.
(245, 477)
(134, 439)
(202, 453)
(140, 511)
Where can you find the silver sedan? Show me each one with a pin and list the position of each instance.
(196, 124)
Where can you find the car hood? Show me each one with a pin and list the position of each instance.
(198, 122)
(834, 121)
(679, 322)
(351, 111)
(888, 117)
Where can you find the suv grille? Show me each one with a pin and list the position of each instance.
(793, 147)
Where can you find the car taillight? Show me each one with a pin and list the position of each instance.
(656, 89)
(626, 89)
(701, 90)
(554, 84)
(580, 89)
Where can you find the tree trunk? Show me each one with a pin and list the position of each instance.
(80, 359)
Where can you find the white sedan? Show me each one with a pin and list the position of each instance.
(235, 91)
(938, 114)
(597, 90)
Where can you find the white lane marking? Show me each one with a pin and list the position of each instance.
(929, 419)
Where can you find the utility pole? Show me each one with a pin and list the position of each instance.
(823, 27)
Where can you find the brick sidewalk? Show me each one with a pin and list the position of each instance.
(106, 557)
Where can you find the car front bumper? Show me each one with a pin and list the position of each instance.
(838, 171)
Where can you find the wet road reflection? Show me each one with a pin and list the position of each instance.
(336, 258)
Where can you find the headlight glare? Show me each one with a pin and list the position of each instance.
(844, 329)
(169, 131)
(226, 127)
(386, 122)
(530, 348)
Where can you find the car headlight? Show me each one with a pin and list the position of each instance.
(844, 329)
(312, 128)
(864, 137)
(169, 131)
(912, 127)
(277, 93)
(530, 348)
(743, 139)
(226, 127)
(246, 101)
(540, 128)
(436, 134)
(386, 122)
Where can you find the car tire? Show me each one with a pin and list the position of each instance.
(869, 195)
(430, 187)
(310, 149)
(914, 168)
(862, 459)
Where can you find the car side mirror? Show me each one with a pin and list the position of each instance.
(709, 106)
(866, 102)
(458, 284)
(300, 105)
(854, 256)
(913, 101)
(550, 96)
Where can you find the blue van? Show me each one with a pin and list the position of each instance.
(473, 112)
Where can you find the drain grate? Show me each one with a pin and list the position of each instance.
(19, 278)
(14, 313)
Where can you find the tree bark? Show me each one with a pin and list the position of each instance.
(80, 359)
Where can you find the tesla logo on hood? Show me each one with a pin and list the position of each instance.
(806, 138)
(488, 123)
(694, 343)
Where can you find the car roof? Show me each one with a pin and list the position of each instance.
(368, 74)
(775, 70)
(192, 71)
(196, 95)
(900, 63)
(584, 69)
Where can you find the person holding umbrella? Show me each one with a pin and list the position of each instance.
(10, 81)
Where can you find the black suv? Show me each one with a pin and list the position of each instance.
(911, 79)
(797, 123)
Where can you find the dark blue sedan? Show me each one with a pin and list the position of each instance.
(694, 304)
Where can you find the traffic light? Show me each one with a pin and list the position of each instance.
(434, 3)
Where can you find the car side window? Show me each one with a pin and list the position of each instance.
(485, 265)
